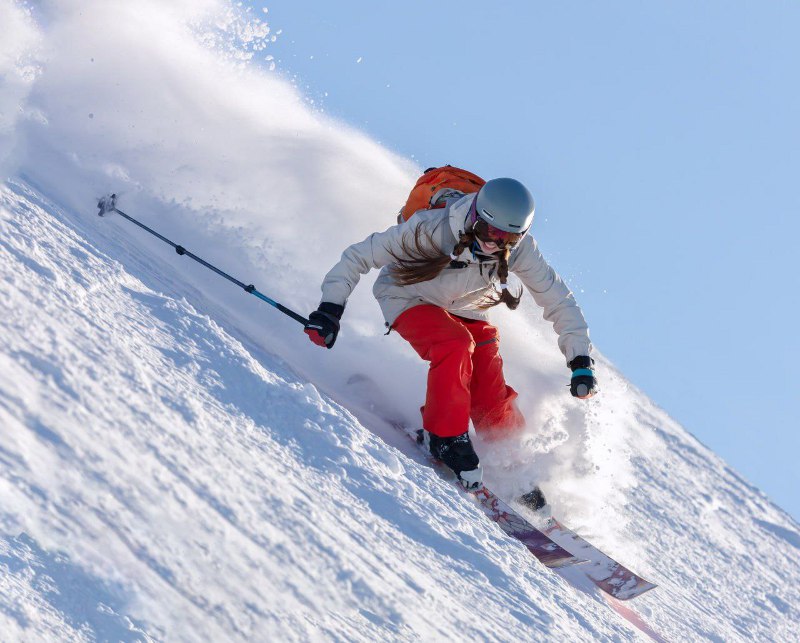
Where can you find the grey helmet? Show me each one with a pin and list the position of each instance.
(505, 204)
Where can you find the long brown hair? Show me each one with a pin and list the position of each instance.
(421, 261)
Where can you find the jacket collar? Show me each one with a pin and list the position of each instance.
(459, 211)
(458, 214)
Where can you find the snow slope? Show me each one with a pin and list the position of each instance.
(177, 462)
(156, 465)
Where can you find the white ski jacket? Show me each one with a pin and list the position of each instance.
(457, 290)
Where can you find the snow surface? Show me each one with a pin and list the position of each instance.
(178, 462)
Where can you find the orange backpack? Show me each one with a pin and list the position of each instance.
(433, 180)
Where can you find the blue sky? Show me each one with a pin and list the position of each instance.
(662, 144)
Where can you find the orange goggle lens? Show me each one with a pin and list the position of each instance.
(489, 234)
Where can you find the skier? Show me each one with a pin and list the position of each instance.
(441, 272)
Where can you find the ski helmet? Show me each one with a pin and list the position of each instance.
(505, 204)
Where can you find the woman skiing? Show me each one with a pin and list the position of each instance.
(441, 272)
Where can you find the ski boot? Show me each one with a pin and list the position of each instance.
(533, 500)
(458, 454)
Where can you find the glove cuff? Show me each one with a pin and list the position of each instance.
(581, 361)
(335, 310)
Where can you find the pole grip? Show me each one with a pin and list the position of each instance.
(292, 314)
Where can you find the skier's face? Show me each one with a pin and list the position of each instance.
(488, 247)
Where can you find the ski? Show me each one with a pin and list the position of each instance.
(548, 539)
(544, 548)
(609, 575)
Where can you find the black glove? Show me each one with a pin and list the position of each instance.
(584, 383)
(323, 324)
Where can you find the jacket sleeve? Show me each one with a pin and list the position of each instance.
(376, 251)
(552, 294)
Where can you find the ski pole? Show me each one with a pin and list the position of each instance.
(109, 204)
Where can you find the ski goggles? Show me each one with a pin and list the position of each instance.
(487, 233)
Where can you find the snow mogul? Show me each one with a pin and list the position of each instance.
(443, 267)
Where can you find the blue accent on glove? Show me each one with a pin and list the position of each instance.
(583, 384)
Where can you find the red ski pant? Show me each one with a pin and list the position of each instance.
(465, 379)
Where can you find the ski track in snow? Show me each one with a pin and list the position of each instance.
(178, 463)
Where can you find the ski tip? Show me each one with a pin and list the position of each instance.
(626, 591)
